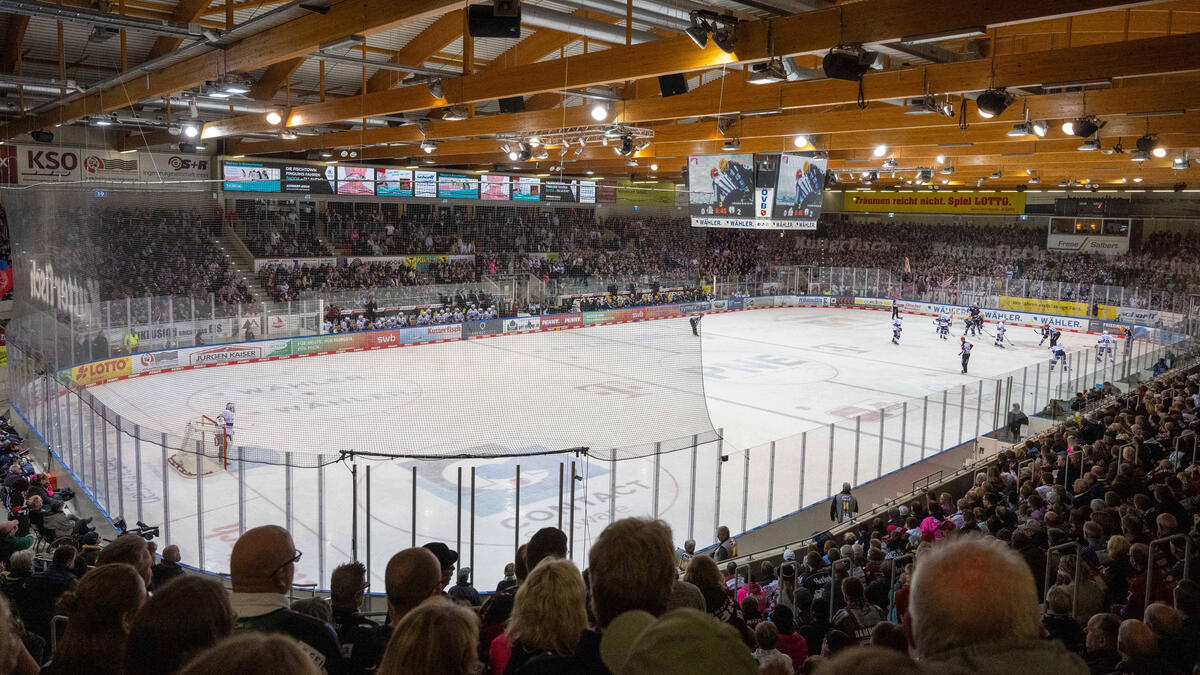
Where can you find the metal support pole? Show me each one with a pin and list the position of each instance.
(979, 407)
(561, 485)
(770, 487)
(570, 524)
(320, 508)
(1024, 381)
(657, 473)
(829, 478)
(857, 439)
(459, 508)
(691, 494)
(924, 426)
(942, 424)
(717, 506)
(1037, 384)
(367, 515)
(517, 519)
(879, 466)
(471, 520)
(120, 510)
(803, 469)
(413, 527)
(199, 501)
(746, 487)
(354, 511)
(287, 490)
(962, 411)
(137, 459)
(903, 430)
(166, 489)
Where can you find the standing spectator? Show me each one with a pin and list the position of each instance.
(974, 605)
(178, 622)
(439, 637)
(261, 568)
(355, 632)
(858, 617)
(726, 545)
(168, 568)
(1016, 420)
(843, 506)
(550, 615)
(463, 592)
(1100, 639)
(253, 654)
(100, 611)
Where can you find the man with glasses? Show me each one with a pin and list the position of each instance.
(261, 570)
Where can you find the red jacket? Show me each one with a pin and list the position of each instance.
(794, 646)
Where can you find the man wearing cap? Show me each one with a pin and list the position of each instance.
(446, 558)
(463, 592)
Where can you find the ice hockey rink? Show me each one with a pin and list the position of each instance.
(783, 375)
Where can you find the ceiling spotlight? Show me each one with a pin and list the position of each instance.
(174, 130)
(589, 172)
(993, 102)
(699, 30)
(534, 141)
(345, 153)
(1021, 129)
(880, 150)
(428, 146)
(1082, 127)
(1140, 156)
(654, 167)
(600, 111)
(578, 151)
(435, 88)
(105, 121)
(456, 113)
(946, 108)
(643, 144)
(190, 130)
(1090, 145)
(947, 170)
(525, 154)
(767, 73)
(1159, 151)
(941, 159)
(889, 163)
(1181, 162)
(800, 141)
(1150, 144)
(731, 144)
(193, 109)
(513, 155)
(288, 136)
(326, 155)
(1040, 129)
(274, 118)
(353, 154)
(866, 174)
(1137, 179)
(505, 148)
(723, 38)
(626, 147)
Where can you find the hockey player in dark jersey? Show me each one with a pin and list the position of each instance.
(695, 321)
(969, 326)
(729, 179)
(1055, 334)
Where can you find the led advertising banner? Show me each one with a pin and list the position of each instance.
(309, 179)
(356, 180)
(799, 189)
(722, 190)
(426, 184)
(494, 188)
(457, 186)
(250, 177)
(587, 192)
(394, 182)
(560, 191)
(960, 202)
(527, 189)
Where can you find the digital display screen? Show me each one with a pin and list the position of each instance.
(527, 189)
(394, 182)
(457, 186)
(426, 184)
(494, 188)
(356, 180)
(560, 191)
(587, 192)
(309, 179)
(250, 177)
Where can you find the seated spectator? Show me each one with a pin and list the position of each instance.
(412, 576)
(1187, 601)
(1059, 622)
(770, 659)
(253, 654)
(463, 592)
(58, 523)
(261, 568)
(1138, 648)
(18, 569)
(891, 636)
(549, 617)
(13, 653)
(447, 557)
(718, 603)
(91, 548)
(635, 643)
(683, 595)
(1166, 623)
(131, 550)
(39, 596)
(168, 568)
(858, 617)
(495, 612)
(790, 641)
(1101, 643)
(317, 608)
(356, 633)
(181, 619)
(836, 642)
(439, 637)
(974, 605)
(100, 611)
(510, 578)
(10, 541)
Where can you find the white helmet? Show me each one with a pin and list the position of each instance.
(229, 406)
(1104, 332)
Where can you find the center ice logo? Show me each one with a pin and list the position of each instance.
(495, 480)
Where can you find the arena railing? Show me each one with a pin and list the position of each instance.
(126, 467)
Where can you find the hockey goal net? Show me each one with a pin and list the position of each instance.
(203, 449)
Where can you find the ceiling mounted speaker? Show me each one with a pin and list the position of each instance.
(484, 21)
(847, 63)
(672, 85)
(512, 104)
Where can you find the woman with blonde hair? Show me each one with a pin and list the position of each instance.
(253, 654)
(549, 614)
(439, 637)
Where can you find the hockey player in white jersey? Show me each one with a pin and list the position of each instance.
(225, 421)
(1105, 345)
(964, 350)
(1045, 333)
(1000, 330)
(943, 325)
(897, 325)
(1058, 354)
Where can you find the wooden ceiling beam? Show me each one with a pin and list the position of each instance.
(281, 42)
(435, 38)
(865, 22)
(276, 76)
(14, 36)
(186, 11)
